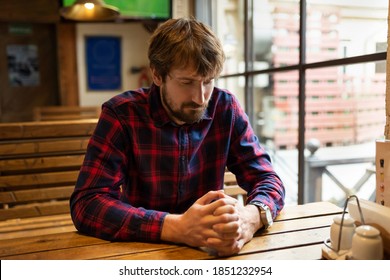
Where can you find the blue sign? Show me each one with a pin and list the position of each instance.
(103, 55)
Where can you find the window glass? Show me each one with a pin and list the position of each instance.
(345, 28)
(345, 114)
(235, 85)
(275, 33)
(228, 23)
(276, 110)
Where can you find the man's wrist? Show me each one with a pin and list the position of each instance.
(170, 230)
(264, 213)
(255, 214)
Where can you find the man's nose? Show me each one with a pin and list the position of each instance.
(199, 95)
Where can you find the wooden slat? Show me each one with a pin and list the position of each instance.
(36, 226)
(295, 225)
(43, 194)
(286, 240)
(35, 210)
(45, 243)
(31, 222)
(42, 224)
(54, 208)
(13, 213)
(38, 179)
(307, 210)
(30, 130)
(175, 253)
(50, 229)
(39, 163)
(65, 112)
(6, 197)
(229, 178)
(36, 194)
(43, 146)
(89, 252)
(234, 190)
(310, 252)
(66, 117)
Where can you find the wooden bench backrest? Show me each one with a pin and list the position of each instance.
(39, 165)
(51, 113)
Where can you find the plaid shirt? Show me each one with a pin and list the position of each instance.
(140, 166)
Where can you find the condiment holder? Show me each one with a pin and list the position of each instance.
(349, 242)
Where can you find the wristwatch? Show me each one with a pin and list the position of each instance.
(265, 213)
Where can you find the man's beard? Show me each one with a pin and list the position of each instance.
(189, 112)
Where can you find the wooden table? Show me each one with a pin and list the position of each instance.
(297, 233)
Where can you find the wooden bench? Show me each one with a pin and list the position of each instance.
(39, 165)
(51, 113)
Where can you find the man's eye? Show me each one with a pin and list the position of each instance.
(186, 82)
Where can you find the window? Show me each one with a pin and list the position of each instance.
(315, 95)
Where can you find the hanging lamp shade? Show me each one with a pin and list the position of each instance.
(89, 10)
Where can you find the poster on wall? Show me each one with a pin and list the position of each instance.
(23, 65)
(103, 55)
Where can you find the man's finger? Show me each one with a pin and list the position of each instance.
(210, 197)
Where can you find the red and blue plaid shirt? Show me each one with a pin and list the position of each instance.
(140, 166)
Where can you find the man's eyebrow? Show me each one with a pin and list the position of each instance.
(194, 79)
(186, 78)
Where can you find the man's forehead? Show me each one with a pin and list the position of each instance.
(187, 73)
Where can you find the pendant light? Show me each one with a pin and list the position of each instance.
(89, 10)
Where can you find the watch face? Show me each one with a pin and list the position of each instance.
(265, 214)
(268, 217)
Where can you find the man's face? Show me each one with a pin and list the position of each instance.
(185, 95)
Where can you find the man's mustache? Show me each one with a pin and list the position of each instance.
(193, 105)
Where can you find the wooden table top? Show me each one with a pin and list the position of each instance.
(297, 233)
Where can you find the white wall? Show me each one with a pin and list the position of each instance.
(134, 39)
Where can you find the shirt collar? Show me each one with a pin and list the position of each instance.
(158, 113)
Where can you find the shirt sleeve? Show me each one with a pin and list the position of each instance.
(95, 204)
(252, 165)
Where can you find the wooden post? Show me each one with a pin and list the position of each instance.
(387, 100)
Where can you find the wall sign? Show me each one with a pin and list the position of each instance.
(23, 65)
(103, 55)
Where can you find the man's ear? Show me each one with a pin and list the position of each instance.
(157, 80)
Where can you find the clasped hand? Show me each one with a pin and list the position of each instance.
(218, 222)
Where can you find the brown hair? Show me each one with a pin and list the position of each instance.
(184, 42)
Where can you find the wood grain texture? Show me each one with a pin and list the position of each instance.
(300, 237)
(49, 129)
(39, 166)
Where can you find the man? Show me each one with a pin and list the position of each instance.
(155, 164)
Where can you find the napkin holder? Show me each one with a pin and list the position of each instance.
(363, 212)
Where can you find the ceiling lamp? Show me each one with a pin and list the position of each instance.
(89, 10)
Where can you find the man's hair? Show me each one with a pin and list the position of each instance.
(183, 42)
